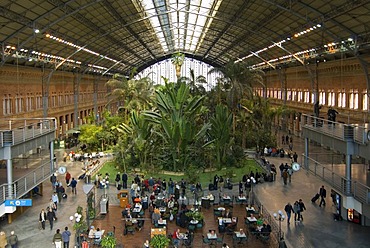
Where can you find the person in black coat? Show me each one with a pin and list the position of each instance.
(322, 194)
(50, 216)
(124, 180)
(42, 218)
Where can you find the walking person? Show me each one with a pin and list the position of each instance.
(73, 185)
(285, 176)
(288, 210)
(290, 173)
(55, 199)
(118, 180)
(57, 239)
(322, 194)
(296, 210)
(68, 178)
(295, 157)
(50, 216)
(124, 180)
(53, 180)
(302, 207)
(42, 218)
(13, 240)
(65, 237)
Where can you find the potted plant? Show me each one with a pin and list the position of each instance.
(195, 215)
(108, 241)
(159, 241)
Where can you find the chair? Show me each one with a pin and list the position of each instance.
(206, 241)
(191, 227)
(220, 240)
(264, 237)
(129, 228)
(97, 242)
(217, 213)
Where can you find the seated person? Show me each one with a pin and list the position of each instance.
(98, 234)
(160, 222)
(232, 226)
(176, 237)
(92, 231)
(227, 214)
(156, 216)
(211, 197)
(265, 230)
(242, 233)
(171, 204)
(212, 234)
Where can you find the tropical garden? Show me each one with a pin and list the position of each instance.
(181, 127)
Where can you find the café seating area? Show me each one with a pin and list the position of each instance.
(226, 220)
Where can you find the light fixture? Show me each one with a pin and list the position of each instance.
(37, 31)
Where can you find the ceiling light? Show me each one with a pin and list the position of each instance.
(37, 30)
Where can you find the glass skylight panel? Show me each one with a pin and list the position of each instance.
(181, 22)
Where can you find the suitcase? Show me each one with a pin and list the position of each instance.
(211, 187)
(314, 199)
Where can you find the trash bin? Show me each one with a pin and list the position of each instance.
(123, 197)
(88, 179)
(104, 205)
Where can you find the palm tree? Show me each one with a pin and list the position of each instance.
(177, 60)
(195, 83)
(238, 80)
(132, 93)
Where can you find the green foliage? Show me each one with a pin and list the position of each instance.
(108, 241)
(89, 136)
(192, 174)
(175, 117)
(220, 132)
(159, 241)
(195, 215)
(80, 226)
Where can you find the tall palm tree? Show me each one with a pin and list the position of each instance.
(238, 80)
(131, 93)
(195, 83)
(177, 60)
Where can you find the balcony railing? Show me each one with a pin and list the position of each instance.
(16, 131)
(22, 186)
(358, 190)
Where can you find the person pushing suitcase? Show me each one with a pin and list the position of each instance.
(322, 194)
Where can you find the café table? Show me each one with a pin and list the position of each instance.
(240, 237)
(163, 223)
(212, 238)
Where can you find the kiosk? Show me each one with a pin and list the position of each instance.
(123, 197)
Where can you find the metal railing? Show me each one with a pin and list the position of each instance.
(25, 184)
(274, 236)
(358, 190)
(334, 129)
(20, 130)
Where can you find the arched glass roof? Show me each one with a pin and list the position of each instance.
(111, 36)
